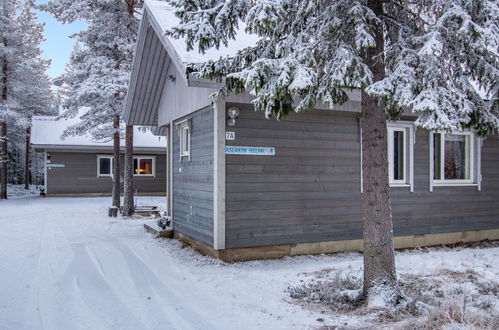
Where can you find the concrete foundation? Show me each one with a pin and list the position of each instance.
(279, 251)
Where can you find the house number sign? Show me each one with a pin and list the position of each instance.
(229, 136)
(252, 151)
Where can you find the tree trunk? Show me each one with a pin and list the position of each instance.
(3, 132)
(380, 279)
(27, 165)
(128, 204)
(116, 163)
(3, 161)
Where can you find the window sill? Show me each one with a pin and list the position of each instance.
(457, 184)
(399, 185)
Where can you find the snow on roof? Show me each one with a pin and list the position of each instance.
(164, 16)
(47, 130)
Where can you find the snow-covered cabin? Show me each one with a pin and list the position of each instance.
(80, 166)
(243, 187)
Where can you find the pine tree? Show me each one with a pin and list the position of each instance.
(419, 55)
(8, 34)
(25, 86)
(33, 85)
(99, 70)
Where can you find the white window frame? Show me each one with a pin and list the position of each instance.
(185, 148)
(138, 158)
(473, 148)
(99, 157)
(408, 153)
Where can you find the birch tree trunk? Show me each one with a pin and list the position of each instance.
(27, 165)
(116, 163)
(380, 279)
(128, 203)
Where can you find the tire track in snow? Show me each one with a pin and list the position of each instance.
(178, 310)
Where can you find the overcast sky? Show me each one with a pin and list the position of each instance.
(58, 45)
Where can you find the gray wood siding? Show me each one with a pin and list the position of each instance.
(193, 180)
(79, 176)
(310, 190)
(447, 209)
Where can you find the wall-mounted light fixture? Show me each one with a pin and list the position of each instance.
(233, 113)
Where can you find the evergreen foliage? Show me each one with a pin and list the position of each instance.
(25, 87)
(97, 75)
(438, 55)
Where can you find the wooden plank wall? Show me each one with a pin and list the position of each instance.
(447, 209)
(310, 190)
(79, 176)
(193, 180)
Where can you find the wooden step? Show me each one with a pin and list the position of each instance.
(159, 233)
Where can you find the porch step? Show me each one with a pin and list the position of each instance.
(158, 233)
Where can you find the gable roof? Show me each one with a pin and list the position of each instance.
(154, 55)
(163, 17)
(47, 130)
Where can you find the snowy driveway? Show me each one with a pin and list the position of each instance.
(65, 265)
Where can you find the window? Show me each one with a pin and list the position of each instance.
(400, 153)
(184, 129)
(185, 141)
(144, 166)
(453, 158)
(104, 166)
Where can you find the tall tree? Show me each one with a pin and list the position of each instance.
(26, 89)
(33, 86)
(98, 73)
(128, 203)
(8, 35)
(420, 55)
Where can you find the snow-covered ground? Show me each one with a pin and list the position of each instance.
(65, 265)
(18, 191)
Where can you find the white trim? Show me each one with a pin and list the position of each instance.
(464, 184)
(45, 171)
(181, 127)
(99, 157)
(412, 143)
(408, 153)
(472, 151)
(432, 155)
(219, 175)
(479, 163)
(185, 148)
(361, 158)
(170, 174)
(139, 158)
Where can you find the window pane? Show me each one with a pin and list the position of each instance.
(398, 155)
(145, 166)
(185, 142)
(456, 158)
(437, 157)
(135, 166)
(105, 166)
